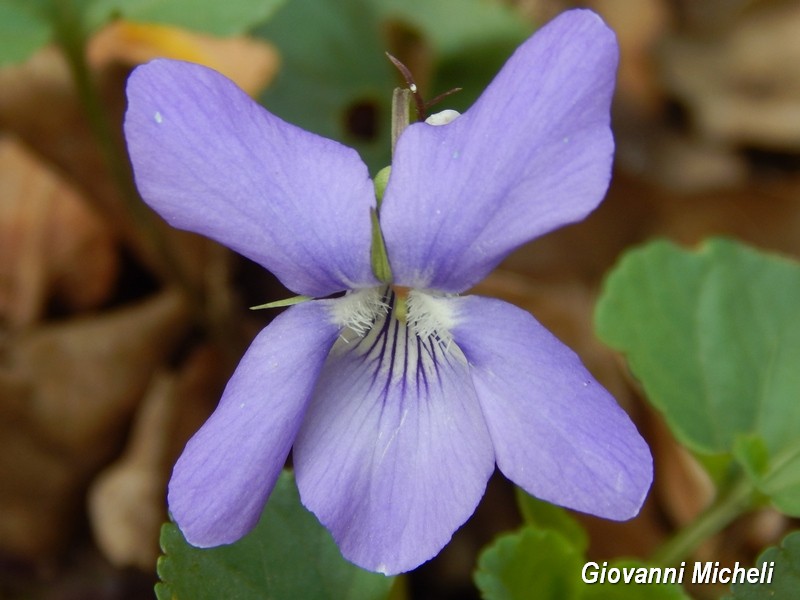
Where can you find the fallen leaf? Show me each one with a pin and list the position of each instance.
(639, 27)
(741, 84)
(250, 63)
(39, 105)
(74, 386)
(684, 488)
(52, 246)
(127, 500)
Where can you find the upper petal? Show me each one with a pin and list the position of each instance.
(222, 480)
(394, 454)
(532, 154)
(211, 160)
(557, 433)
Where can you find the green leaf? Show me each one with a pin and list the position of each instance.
(336, 81)
(288, 555)
(231, 17)
(637, 591)
(22, 31)
(714, 337)
(785, 578)
(527, 562)
(27, 25)
(334, 78)
(543, 515)
(751, 452)
(541, 564)
(776, 476)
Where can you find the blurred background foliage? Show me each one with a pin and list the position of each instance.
(117, 334)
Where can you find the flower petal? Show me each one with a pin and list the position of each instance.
(223, 478)
(557, 433)
(210, 160)
(394, 454)
(534, 153)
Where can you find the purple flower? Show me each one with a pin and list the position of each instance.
(397, 399)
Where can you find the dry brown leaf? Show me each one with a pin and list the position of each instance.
(127, 500)
(680, 162)
(766, 215)
(639, 27)
(684, 488)
(73, 389)
(541, 11)
(250, 63)
(38, 104)
(742, 85)
(712, 15)
(51, 244)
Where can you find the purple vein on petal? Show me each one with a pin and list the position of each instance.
(394, 453)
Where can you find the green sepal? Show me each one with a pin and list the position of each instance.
(281, 303)
(380, 182)
(378, 255)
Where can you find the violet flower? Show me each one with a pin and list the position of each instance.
(397, 400)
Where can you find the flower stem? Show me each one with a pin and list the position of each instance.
(728, 507)
(401, 113)
(148, 235)
(72, 38)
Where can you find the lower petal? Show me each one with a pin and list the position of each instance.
(394, 454)
(557, 433)
(223, 478)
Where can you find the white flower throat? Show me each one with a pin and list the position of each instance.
(403, 333)
(392, 323)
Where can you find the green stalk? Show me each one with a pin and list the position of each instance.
(726, 509)
(72, 38)
(401, 113)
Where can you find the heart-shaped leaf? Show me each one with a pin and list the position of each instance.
(288, 555)
(714, 337)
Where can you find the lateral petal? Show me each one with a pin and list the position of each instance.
(532, 154)
(223, 478)
(394, 454)
(210, 160)
(557, 433)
